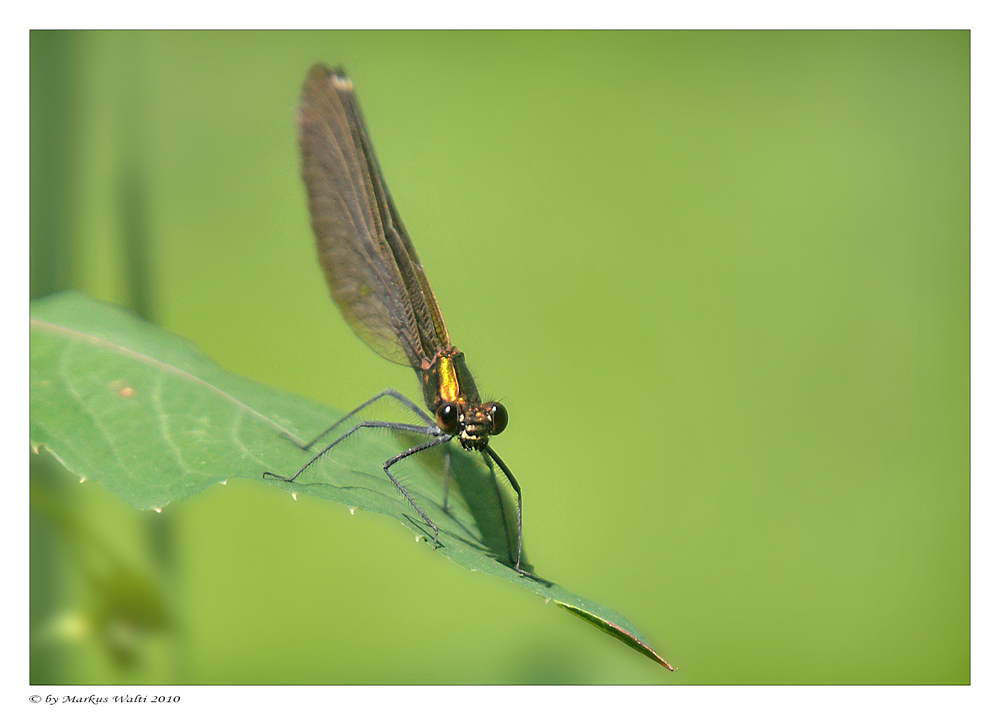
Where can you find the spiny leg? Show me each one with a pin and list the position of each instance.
(513, 482)
(364, 425)
(407, 402)
(503, 514)
(439, 438)
(408, 453)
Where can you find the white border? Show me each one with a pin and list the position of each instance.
(521, 14)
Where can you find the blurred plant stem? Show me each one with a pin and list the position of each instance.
(55, 131)
(54, 109)
(123, 605)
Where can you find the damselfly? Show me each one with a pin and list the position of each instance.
(378, 282)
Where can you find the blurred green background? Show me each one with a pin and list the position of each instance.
(719, 279)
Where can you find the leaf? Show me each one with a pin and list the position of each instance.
(141, 411)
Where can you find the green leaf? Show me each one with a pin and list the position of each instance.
(141, 411)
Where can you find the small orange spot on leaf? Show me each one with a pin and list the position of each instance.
(122, 388)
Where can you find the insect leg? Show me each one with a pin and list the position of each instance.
(513, 482)
(439, 438)
(364, 425)
(406, 402)
(403, 455)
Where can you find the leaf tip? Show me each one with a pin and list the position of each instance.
(633, 640)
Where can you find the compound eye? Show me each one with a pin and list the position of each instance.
(447, 417)
(498, 414)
